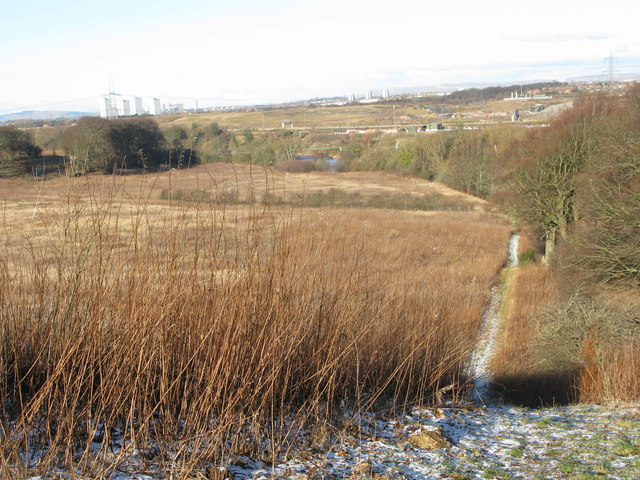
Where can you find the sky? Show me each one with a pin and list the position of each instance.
(65, 54)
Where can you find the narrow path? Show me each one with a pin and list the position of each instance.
(478, 366)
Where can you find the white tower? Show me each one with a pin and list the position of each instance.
(156, 109)
(108, 108)
(137, 106)
(126, 108)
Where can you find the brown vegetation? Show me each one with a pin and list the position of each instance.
(562, 344)
(580, 180)
(207, 312)
(195, 331)
(520, 370)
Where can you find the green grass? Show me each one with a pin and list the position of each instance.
(603, 467)
(491, 473)
(570, 466)
(624, 448)
(517, 452)
(627, 423)
(544, 422)
(527, 256)
(554, 453)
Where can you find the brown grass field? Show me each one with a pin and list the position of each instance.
(363, 116)
(194, 331)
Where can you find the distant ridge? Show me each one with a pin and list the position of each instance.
(603, 77)
(42, 115)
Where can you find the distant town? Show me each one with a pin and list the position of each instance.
(115, 105)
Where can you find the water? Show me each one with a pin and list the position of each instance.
(332, 163)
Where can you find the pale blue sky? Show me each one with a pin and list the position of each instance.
(249, 51)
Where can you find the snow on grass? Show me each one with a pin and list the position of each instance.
(478, 367)
(483, 442)
(576, 442)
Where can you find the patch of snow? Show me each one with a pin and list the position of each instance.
(514, 243)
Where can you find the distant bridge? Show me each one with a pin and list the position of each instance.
(324, 147)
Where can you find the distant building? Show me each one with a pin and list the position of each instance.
(105, 106)
(155, 109)
(369, 95)
(385, 93)
(352, 97)
(137, 106)
(173, 108)
(108, 109)
(126, 108)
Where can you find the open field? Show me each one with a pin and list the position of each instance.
(240, 181)
(383, 115)
(192, 331)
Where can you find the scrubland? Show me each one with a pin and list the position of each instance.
(192, 331)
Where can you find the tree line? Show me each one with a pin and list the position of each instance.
(578, 183)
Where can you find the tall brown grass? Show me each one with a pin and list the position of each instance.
(189, 334)
(617, 374)
(560, 346)
(520, 372)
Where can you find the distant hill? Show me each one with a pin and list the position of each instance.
(618, 77)
(42, 115)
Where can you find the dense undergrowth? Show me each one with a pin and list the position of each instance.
(333, 197)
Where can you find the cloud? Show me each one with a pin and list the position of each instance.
(293, 50)
(556, 38)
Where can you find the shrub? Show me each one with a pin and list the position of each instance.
(16, 147)
(527, 256)
(98, 144)
(587, 334)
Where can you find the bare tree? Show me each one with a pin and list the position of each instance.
(543, 183)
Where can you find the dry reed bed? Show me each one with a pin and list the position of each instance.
(194, 332)
(219, 179)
